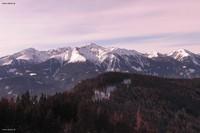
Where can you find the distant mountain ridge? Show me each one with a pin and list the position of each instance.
(92, 52)
(60, 69)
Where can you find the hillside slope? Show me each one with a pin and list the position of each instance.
(111, 103)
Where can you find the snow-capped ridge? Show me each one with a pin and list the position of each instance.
(153, 54)
(93, 45)
(32, 54)
(180, 54)
(31, 50)
(121, 51)
(62, 54)
(185, 55)
(95, 54)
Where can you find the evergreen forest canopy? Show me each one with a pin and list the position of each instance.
(109, 103)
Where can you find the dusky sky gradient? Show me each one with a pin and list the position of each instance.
(143, 25)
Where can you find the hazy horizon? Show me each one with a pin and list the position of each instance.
(78, 46)
(142, 25)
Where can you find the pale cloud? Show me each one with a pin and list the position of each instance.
(50, 23)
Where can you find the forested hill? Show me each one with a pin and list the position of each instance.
(110, 103)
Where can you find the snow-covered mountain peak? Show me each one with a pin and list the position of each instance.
(153, 54)
(29, 50)
(180, 54)
(121, 51)
(93, 45)
(96, 49)
(94, 53)
(32, 55)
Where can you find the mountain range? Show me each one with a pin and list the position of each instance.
(60, 69)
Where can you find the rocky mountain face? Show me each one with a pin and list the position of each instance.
(60, 69)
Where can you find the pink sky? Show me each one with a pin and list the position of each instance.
(143, 25)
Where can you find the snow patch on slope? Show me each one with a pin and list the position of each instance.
(153, 54)
(76, 56)
(139, 69)
(62, 54)
(33, 74)
(12, 70)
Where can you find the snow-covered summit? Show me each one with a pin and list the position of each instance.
(185, 55)
(32, 54)
(93, 52)
(29, 54)
(121, 51)
(153, 54)
(180, 54)
(93, 46)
